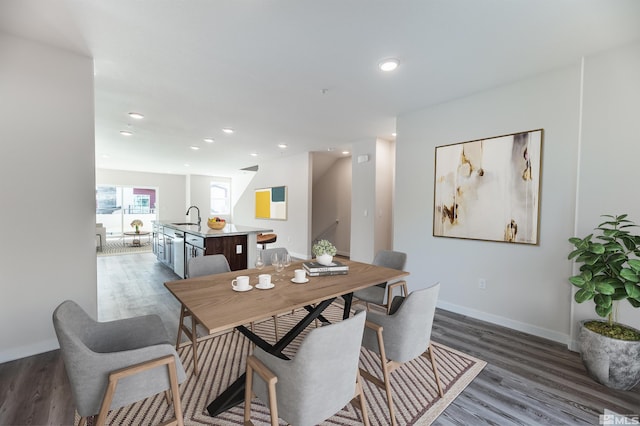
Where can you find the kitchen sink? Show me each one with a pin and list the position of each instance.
(184, 223)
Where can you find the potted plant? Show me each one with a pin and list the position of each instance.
(324, 252)
(137, 224)
(610, 273)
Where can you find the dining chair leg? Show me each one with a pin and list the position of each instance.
(434, 365)
(180, 325)
(275, 326)
(248, 391)
(194, 345)
(363, 404)
(175, 391)
(387, 383)
(273, 404)
(83, 421)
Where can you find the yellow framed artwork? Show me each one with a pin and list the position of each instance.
(271, 203)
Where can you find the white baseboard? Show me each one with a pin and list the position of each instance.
(28, 350)
(506, 322)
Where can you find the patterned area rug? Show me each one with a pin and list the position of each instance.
(114, 247)
(222, 360)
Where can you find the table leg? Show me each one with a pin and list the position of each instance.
(348, 299)
(234, 394)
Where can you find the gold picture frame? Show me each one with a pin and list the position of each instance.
(489, 189)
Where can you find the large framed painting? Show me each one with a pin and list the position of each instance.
(271, 203)
(489, 189)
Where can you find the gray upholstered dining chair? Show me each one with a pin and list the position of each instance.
(376, 294)
(197, 267)
(266, 254)
(321, 379)
(402, 336)
(266, 258)
(116, 363)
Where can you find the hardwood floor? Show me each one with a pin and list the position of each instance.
(528, 380)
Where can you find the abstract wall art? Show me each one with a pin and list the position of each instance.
(271, 203)
(489, 189)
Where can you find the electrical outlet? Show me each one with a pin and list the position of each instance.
(482, 283)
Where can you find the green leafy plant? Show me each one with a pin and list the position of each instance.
(610, 269)
(324, 247)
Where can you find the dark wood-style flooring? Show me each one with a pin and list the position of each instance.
(528, 380)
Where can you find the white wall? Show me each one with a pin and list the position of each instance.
(331, 203)
(385, 173)
(610, 151)
(200, 196)
(171, 199)
(527, 286)
(47, 187)
(295, 173)
(363, 198)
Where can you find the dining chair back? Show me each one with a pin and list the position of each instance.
(268, 261)
(267, 253)
(382, 294)
(401, 336)
(208, 265)
(321, 379)
(97, 355)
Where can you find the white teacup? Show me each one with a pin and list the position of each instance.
(264, 280)
(240, 283)
(299, 275)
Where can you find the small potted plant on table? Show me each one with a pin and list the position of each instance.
(610, 272)
(137, 224)
(324, 252)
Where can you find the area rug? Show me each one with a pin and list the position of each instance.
(222, 360)
(115, 247)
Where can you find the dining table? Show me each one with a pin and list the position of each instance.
(218, 307)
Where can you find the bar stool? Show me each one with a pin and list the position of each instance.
(265, 239)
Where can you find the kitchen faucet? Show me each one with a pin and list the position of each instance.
(198, 210)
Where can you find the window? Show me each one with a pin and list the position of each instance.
(117, 206)
(220, 197)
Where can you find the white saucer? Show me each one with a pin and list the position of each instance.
(265, 287)
(306, 280)
(247, 289)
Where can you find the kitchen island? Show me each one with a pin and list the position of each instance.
(175, 242)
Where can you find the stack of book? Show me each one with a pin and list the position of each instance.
(315, 269)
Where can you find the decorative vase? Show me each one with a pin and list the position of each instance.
(137, 229)
(611, 362)
(324, 259)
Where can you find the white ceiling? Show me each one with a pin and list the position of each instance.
(193, 67)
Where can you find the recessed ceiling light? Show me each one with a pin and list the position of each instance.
(394, 134)
(346, 152)
(126, 132)
(195, 148)
(254, 154)
(282, 145)
(388, 64)
(330, 149)
(208, 140)
(228, 130)
(136, 115)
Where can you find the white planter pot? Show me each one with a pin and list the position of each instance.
(324, 259)
(612, 362)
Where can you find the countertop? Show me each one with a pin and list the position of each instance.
(204, 231)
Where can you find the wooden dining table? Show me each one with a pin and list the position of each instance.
(219, 308)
